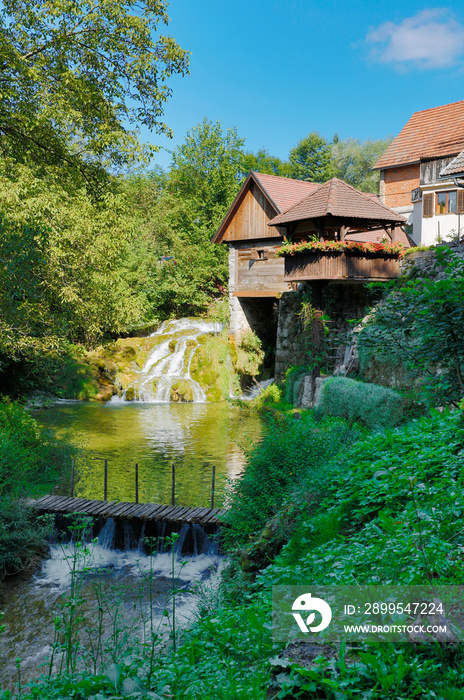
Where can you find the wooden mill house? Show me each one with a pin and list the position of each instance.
(269, 210)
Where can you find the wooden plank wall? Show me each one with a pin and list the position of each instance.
(251, 218)
(255, 274)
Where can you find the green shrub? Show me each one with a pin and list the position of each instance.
(289, 452)
(268, 396)
(22, 535)
(250, 355)
(369, 404)
(292, 383)
(30, 456)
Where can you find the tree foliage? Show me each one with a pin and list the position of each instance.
(62, 277)
(74, 74)
(187, 204)
(310, 159)
(263, 162)
(353, 160)
(207, 169)
(419, 324)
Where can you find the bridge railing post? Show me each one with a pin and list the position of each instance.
(212, 486)
(105, 498)
(173, 485)
(136, 482)
(105, 478)
(73, 464)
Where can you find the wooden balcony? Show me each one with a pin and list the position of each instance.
(342, 266)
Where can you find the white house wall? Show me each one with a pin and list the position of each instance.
(439, 227)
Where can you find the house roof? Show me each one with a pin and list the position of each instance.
(281, 192)
(284, 191)
(454, 168)
(431, 133)
(337, 198)
(379, 236)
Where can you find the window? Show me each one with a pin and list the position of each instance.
(451, 202)
(446, 202)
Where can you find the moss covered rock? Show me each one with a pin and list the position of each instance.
(211, 366)
(182, 391)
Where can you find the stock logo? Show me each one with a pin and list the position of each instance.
(307, 604)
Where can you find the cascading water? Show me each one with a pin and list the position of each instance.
(131, 589)
(165, 375)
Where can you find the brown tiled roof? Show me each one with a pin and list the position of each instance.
(283, 191)
(337, 198)
(379, 236)
(432, 133)
(455, 167)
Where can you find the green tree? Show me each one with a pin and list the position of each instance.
(61, 275)
(353, 160)
(263, 162)
(207, 168)
(311, 160)
(75, 75)
(187, 204)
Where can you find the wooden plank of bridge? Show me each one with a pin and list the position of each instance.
(132, 508)
(118, 509)
(211, 517)
(179, 514)
(193, 514)
(197, 515)
(96, 507)
(138, 510)
(51, 501)
(125, 509)
(171, 514)
(164, 510)
(151, 512)
(62, 504)
(87, 507)
(42, 502)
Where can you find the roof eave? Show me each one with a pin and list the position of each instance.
(400, 220)
(396, 165)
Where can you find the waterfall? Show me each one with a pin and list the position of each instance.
(165, 375)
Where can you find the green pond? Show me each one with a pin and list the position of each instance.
(192, 436)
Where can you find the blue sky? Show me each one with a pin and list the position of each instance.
(278, 70)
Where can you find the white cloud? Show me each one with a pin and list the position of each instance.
(430, 39)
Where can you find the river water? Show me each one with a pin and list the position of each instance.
(130, 588)
(193, 436)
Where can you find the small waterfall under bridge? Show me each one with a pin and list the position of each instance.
(135, 521)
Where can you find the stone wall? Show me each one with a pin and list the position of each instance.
(390, 371)
(292, 343)
(339, 303)
(425, 261)
(239, 323)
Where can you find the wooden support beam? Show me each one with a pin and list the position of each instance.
(343, 231)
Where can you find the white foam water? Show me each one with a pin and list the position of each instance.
(170, 361)
(123, 576)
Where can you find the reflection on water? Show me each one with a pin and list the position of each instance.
(192, 436)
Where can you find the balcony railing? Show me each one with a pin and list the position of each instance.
(344, 266)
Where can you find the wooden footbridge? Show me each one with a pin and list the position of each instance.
(126, 510)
